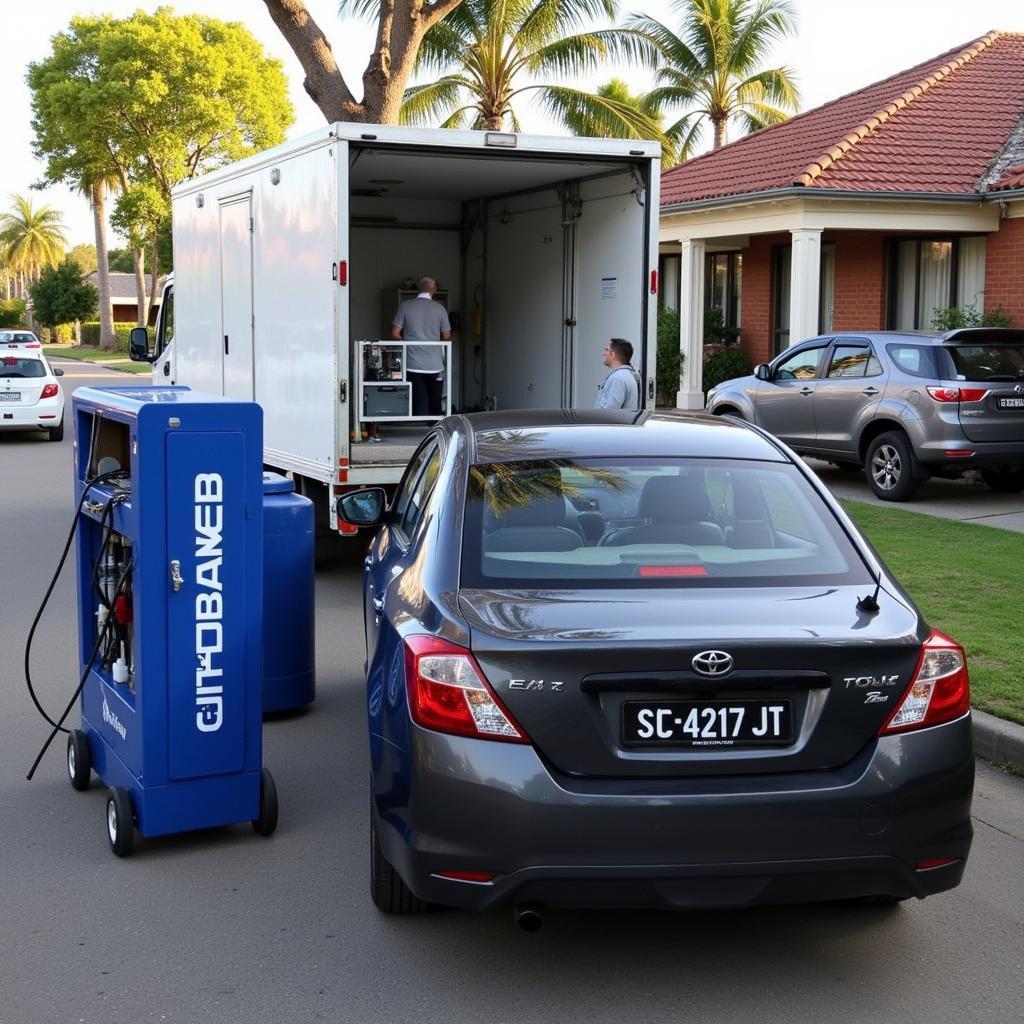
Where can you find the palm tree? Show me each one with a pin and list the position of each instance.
(489, 53)
(97, 188)
(31, 238)
(715, 67)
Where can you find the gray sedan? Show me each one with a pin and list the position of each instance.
(904, 405)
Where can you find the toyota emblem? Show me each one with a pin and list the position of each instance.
(712, 663)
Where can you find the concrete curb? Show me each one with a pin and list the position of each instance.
(997, 740)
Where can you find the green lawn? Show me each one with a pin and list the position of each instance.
(967, 580)
(90, 354)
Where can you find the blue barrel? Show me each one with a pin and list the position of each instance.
(289, 631)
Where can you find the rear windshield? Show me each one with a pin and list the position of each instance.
(650, 523)
(11, 366)
(988, 362)
(16, 336)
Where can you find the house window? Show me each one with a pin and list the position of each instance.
(668, 281)
(723, 285)
(826, 292)
(934, 273)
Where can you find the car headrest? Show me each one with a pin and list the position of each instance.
(538, 512)
(673, 499)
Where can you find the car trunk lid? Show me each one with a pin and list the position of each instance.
(574, 667)
(990, 376)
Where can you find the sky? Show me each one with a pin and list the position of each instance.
(838, 47)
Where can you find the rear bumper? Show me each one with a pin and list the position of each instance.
(45, 414)
(479, 806)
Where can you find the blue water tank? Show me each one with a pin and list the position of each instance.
(289, 630)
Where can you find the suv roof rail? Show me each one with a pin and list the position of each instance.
(980, 334)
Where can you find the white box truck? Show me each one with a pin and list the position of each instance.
(543, 248)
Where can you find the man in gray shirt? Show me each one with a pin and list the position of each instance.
(423, 319)
(621, 388)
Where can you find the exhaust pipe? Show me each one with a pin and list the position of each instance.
(529, 916)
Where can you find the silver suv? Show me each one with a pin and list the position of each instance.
(904, 405)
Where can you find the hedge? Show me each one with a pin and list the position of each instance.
(91, 335)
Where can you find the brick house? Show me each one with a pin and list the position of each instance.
(124, 296)
(866, 213)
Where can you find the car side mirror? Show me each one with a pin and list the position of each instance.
(365, 507)
(763, 371)
(138, 345)
(57, 371)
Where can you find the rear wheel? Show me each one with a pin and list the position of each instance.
(890, 468)
(1007, 481)
(56, 433)
(389, 893)
(265, 824)
(79, 760)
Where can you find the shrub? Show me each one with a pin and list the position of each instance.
(670, 359)
(715, 331)
(91, 335)
(951, 318)
(122, 333)
(61, 295)
(725, 365)
(12, 312)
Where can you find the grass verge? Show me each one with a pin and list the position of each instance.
(102, 356)
(966, 580)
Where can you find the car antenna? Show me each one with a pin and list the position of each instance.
(869, 602)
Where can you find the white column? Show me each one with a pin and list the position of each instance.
(691, 324)
(804, 284)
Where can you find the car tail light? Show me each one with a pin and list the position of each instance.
(467, 876)
(935, 862)
(939, 691)
(448, 692)
(49, 391)
(957, 394)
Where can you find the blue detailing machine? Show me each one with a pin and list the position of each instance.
(170, 569)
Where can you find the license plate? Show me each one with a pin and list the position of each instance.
(1010, 403)
(707, 723)
(10, 396)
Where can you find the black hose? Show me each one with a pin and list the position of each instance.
(58, 726)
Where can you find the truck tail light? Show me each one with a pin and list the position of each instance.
(957, 394)
(50, 391)
(939, 691)
(448, 692)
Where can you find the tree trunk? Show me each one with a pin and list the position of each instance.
(495, 122)
(400, 28)
(720, 126)
(140, 287)
(98, 194)
(153, 274)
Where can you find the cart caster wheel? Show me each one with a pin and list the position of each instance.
(79, 760)
(120, 821)
(265, 824)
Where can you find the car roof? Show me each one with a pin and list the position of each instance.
(527, 434)
(959, 336)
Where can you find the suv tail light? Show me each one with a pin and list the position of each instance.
(448, 692)
(939, 691)
(957, 394)
(49, 391)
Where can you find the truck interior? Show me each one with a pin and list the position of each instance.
(538, 261)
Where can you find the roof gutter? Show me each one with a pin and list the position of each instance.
(802, 192)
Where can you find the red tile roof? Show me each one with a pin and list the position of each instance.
(1013, 177)
(936, 127)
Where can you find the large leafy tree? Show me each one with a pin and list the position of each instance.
(713, 67)
(401, 25)
(490, 53)
(32, 238)
(151, 100)
(61, 295)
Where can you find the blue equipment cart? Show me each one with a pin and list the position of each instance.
(170, 575)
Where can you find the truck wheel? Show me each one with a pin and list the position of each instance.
(889, 467)
(120, 821)
(265, 824)
(79, 760)
(389, 893)
(1006, 481)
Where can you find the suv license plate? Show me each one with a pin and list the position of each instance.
(707, 723)
(10, 396)
(1010, 403)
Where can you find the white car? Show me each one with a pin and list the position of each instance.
(18, 339)
(30, 397)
